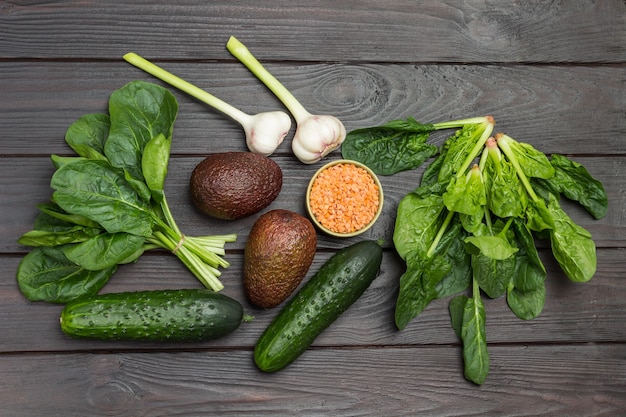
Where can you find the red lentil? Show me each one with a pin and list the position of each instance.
(344, 198)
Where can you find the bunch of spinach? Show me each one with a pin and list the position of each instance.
(109, 204)
(396, 146)
(471, 224)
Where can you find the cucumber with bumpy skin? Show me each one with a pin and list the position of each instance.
(334, 288)
(162, 315)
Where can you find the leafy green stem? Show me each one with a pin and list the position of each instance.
(185, 86)
(202, 255)
(241, 52)
(205, 273)
(506, 227)
(209, 257)
(487, 217)
(440, 233)
(463, 122)
(169, 218)
(475, 290)
(201, 270)
(504, 144)
(485, 133)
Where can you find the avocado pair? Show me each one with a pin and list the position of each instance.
(281, 244)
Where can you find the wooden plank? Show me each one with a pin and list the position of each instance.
(551, 73)
(552, 380)
(24, 189)
(572, 109)
(573, 313)
(390, 31)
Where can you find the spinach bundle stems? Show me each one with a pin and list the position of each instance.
(167, 213)
(481, 165)
(487, 128)
(207, 248)
(503, 143)
(487, 124)
(198, 260)
(452, 124)
(200, 254)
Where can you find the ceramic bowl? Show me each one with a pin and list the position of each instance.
(338, 201)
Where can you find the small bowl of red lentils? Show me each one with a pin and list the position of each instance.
(344, 198)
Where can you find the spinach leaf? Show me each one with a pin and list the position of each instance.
(54, 227)
(466, 194)
(493, 275)
(442, 270)
(37, 237)
(538, 216)
(574, 181)
(456, 309)
(45, 274)
(467, 316)
(505, 193)
(422, 218)
(87, 135)
(527, 249)
(52, 210)
(394, 147)
(96, 190)
(526, 305)
(572, 245)
(417, 222)
(431, 173)
(474, 336)
(59, 161)
(139, 111)
(533, 163)
(418, 286)
(140, 187)
(494, 247)
(526, 292)
(104, 251)
(154, 162)
(478, 226)
(459, 149)
(492, 252)
(109, 205)
(452, 248)
(471, 223)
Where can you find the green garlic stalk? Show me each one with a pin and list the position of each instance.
(264, 131)
(316, 135)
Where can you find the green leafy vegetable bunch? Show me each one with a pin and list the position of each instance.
(109, 206)
(470, 227)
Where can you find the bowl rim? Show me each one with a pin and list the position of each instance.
(380, 197)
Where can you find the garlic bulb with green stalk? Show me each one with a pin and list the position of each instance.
(316, 135)
(264, 131)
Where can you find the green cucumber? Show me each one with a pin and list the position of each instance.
(334, 288)
(165, 315)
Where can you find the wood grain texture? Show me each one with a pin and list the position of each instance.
(390, 31)
(408, 382)
(573, 313)
(552, 73)
(555, 108)
(24, 190)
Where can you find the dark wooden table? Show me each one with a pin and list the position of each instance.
(552, 74)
